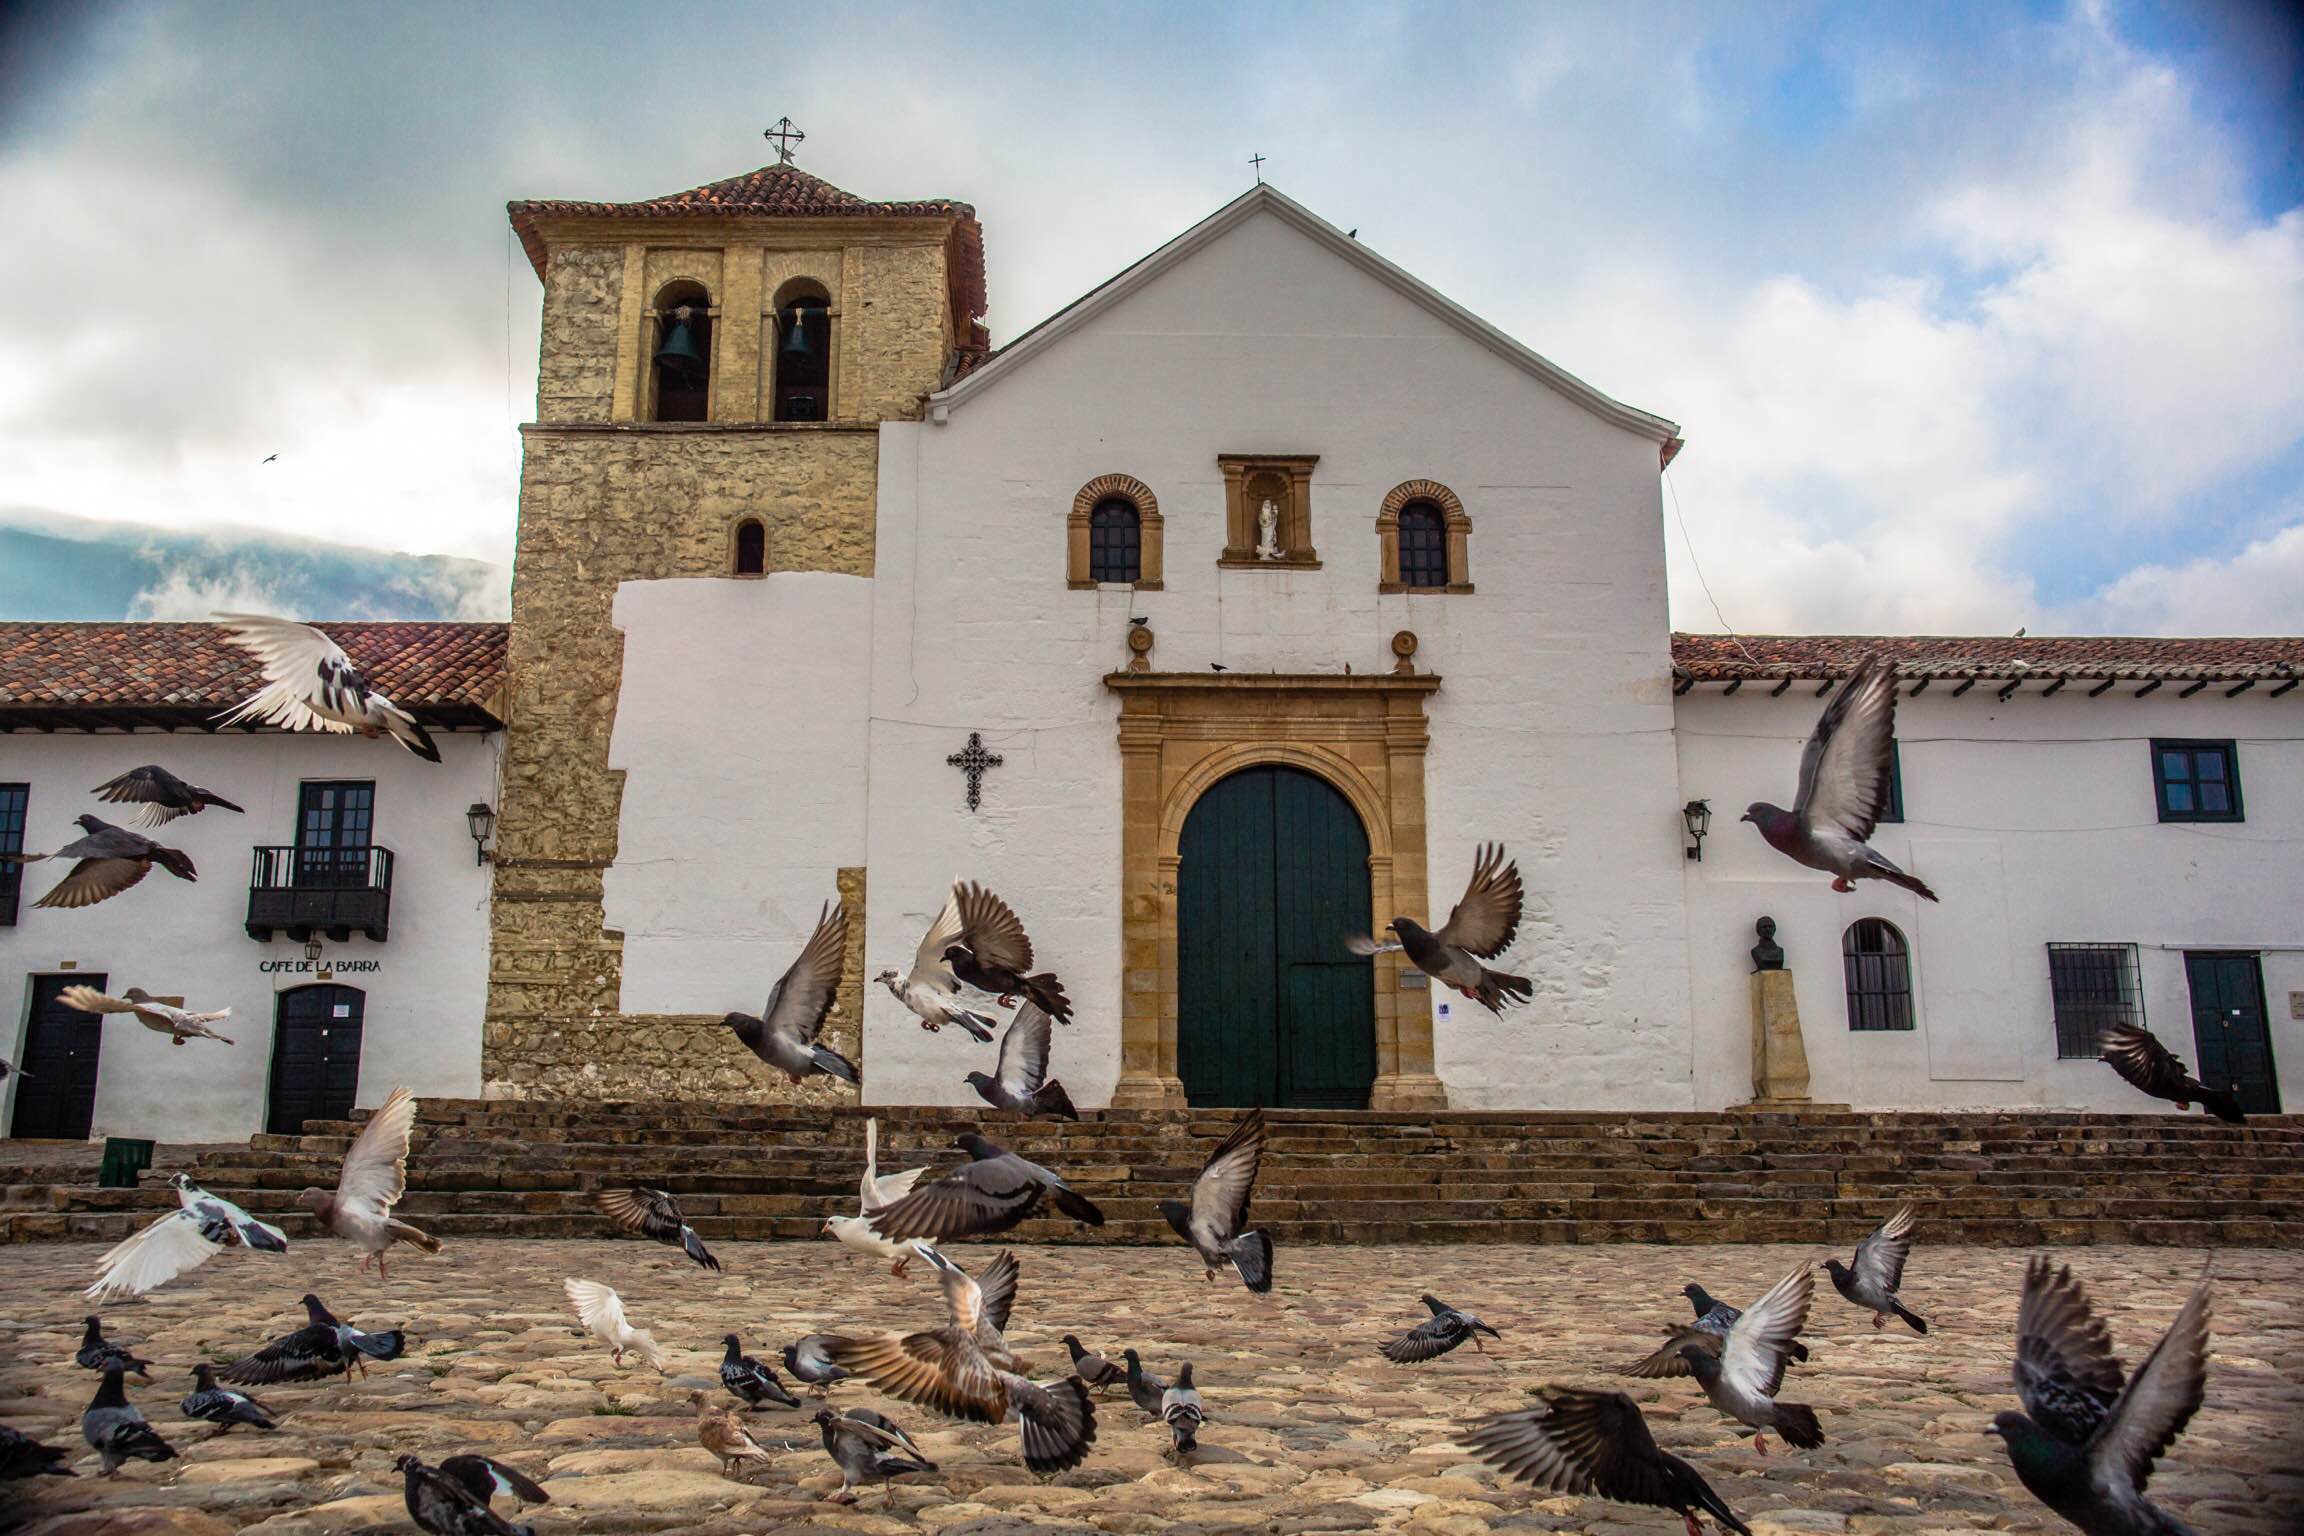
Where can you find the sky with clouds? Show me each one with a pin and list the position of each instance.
(1975, 316)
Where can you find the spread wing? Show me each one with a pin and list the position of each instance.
(989, 1196)
(1668, 1361)
(93, 880)
(598, 1307)
(996, 1290)
(880, 1189)
(1485, 920)
(1363, 944)
(1579, 1442)
(1427, 1339)
(1760, 1343)
(1844, 768)
(1220, 1195)
(89, 1000)
(375, 1172)
(992, 931)
(484, 1477)
(941, 1370)
(2138, 1056)
(650, 1212)
(150, 785)
(152, 1257)
(301, 665)
(2160, 1400)
(2065, 1371)
(804, 993)
(928, 960)
(1024, 1051)
(1880, 1257)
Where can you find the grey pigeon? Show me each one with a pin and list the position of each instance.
(163, 795)
(99, 1353)
(116, 1431)
(868, 1449)
(108, 860)
(930, 991)
(221, 1406)
(2138, 1056)
(1742, 1373)
(808, 1362)
(311, 685)
(1878, 1269)
(1219, 1208)
(2085, 1444)
(655, 1213)
(994, 955)
(749, 1380)
(1091, 1367)
(1480, 927)
(444, 1506)
(1843, 786)
(1596, 1443)
(1022, 1083)
(1180, 1406)
(991, 1192)
(485, 1478)
(785, 1033)
(1145, 1390)
(1709, 1331)
(1447, 1328)
(22, 1456)
(373, 1178)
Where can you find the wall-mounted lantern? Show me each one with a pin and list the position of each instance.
(1697, 814)
(480, 821)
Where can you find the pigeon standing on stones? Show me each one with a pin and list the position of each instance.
(2086, 1442)
(1843, 786)
(443, 1506)
(108, 860)
(221, 1406)
(1709, 1331)
(1446, 1329)
(1022, 1083)
(374, 1177)
(719, 1431)
(177, 1024)
(116, 1431)
(163, 795)
(751, 1381)
(785, 1034)
(1145, 1390)
(655, 1213)
(1597, 1443)
(1742, 1374)
(991, 1192)
(809, 1362)
(325, 1346)
(1091, 1367)
(1180, 1406)
(98, 1353)
(1479, 928)
(601, 1311)
(1871, 1281)
(993, 954)
(867, 1449)
(21, 1456)
(931, 990)
(2138, 1056)
(1212, 1222)
(311, 685)
(877, 1193)
(202, 1226)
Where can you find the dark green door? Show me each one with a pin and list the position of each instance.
(1271, 1007)
(2229, 1030)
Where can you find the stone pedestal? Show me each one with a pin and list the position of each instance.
(1779, 1057)
(1407, 1093)
(1147, 1090)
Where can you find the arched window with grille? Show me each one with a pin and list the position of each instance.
(1423, 540)
(751, 547)
(1112, 535)
(1423, 545)
(1879, 973)
(1115, 541)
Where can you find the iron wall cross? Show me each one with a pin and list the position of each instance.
(972, 760)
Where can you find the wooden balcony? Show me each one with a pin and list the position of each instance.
(332, 891)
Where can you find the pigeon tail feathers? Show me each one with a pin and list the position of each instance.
(832, 1064)
(1919, 1324)
(2220, 1102)
(1251, 1254)
(1796, 1422)
(1078, 1207)
(1053, 1100)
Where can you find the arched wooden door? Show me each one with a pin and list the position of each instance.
(315, 1056)
(1271, 1008)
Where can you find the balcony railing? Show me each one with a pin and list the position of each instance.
(302, 891)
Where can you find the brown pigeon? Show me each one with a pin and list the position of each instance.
(374, 1178)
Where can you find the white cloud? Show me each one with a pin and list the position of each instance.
(2255, 592)
(182, 594)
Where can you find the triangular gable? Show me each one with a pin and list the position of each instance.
(1268, 199)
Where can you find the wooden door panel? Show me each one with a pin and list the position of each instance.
(63, 1047)
(2231, 1037)
(315, 1056)
(1225, 1048)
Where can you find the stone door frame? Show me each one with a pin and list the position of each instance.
(1182, 732)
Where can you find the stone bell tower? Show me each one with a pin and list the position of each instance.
(715, 366)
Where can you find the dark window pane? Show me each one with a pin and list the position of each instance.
(1893, 808)
(1423, 546)
(2093, 987)
(751, 548)
(1115, 541)
(2208, 765)
(1878, 974)
(2179, 797)
(2213, 797)
(2176, 765)
(14, 798)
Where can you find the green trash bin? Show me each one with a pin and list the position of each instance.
(124, 1158)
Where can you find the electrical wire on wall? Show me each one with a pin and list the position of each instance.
(1690, 544)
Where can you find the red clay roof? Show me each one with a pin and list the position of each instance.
(439, 671)
(1723, 658)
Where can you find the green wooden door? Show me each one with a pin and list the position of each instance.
(1271, 1007)
(2231, 1042)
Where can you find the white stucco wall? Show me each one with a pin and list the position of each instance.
(424, 1002)
(1552, 731)
(2035, 822)
(743, 793)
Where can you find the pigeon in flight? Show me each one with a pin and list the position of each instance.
(994, 955)
(374, 1177)
(221, 1406)
(868, 1449)
(931, 990)
(21, 1456)
(163, 795)
(947, 1369)
(1843, 786)
(155, 1015)
(785, 1034)
(116, 1431)
(1597, 1443)
(749, 1380)
(601, 1311)
(311, 685)
(325, 1346)
(486, 1478)
(1091, 1367)
(444, 1506)
(1742, 1374)
(202, 1226)
(1147, 1391)
(1871, 1281)
(1180, 1406)
(2086, 1442)
(991, 1192)
(1212, 1222)
(1022, 1083)
(719, 1431)
(2138, 1056)
(809, 1362)
(1480, 928)
(1713, 1320)
(268, 458)
(107, 861)
(1446, 1329)
(100, 1353)
(878, 1193)
(654, 1213)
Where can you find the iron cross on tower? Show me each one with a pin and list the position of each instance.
(1258, 162)
(972, 760)
(783, 136)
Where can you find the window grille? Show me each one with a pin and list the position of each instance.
(1423, 546)
(1879, 972)
(2093, 987)
(1115, 541)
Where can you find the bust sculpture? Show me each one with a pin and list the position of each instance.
(1268, 531)
(1767, 955)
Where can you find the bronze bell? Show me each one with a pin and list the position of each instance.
(799, 342)
(679, 353)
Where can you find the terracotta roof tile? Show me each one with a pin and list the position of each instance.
(1723, 658)
(446, 670)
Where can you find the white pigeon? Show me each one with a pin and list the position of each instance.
(161, 1018)
(202, 1226)
(876, 1194)
(311, 685)
(932, 992)
(601, 1310)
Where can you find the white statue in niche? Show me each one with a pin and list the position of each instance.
(1268, 531)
